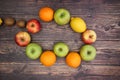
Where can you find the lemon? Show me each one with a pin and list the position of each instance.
(1, 21)
(78, 24)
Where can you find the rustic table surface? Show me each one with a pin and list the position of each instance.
(103, 16)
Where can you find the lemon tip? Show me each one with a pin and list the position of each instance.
(0, 21)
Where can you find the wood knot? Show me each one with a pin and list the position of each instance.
(107, 28)
(119, 23)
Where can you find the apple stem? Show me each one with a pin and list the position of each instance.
(32, 25)
(89, 52)
(91, 36)
(22, 40)
(60, 49)
(62, 15)
(32, 51)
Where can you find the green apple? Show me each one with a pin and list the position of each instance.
(61, 49)
(33, 51)
(62, 16)
(88, 52)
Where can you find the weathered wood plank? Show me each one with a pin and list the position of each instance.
(83, 7)
(36, 68)
(63, 70)
(49, 77)
(87, 8)
(87, 77)
(32, 77)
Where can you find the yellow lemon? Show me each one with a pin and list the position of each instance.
(1, 21)
(78, 24)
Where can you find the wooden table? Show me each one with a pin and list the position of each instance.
(103, 16)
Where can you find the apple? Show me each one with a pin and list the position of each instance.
(62, 16)
(33, 51)
(88, 52)
(33, 26)
(61, 49)
(89, 36)
(22, 38)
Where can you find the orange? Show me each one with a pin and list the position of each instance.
(73, 59)
(48, 58)
(46, 14)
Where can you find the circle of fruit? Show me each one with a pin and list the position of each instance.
(62, 17)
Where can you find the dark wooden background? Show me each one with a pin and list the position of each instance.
(103, 16)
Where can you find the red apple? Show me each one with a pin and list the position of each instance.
(33, 26)
(89, 36)
(22, 38)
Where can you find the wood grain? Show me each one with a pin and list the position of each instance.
(103, 16)
(48, 77)
(37, 68)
